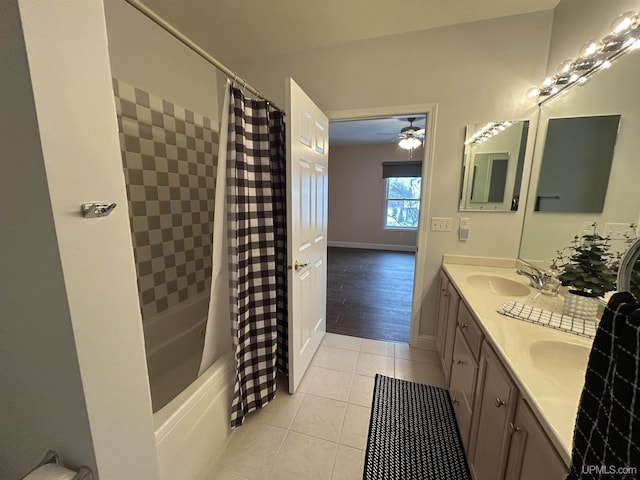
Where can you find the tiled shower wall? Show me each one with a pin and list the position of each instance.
(169, 156)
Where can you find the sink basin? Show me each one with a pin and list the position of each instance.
(565, 363)
(498, 285)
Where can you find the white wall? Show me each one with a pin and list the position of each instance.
(475, 72)
(357, 194)
(145, 56)
(66, 46)
(41, 396)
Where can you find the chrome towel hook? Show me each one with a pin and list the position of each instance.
(95, 209)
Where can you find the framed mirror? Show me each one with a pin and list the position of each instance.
(610, 95)
(493, 160)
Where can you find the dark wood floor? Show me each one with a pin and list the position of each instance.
(369, 293)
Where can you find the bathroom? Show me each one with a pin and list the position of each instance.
(76, 355)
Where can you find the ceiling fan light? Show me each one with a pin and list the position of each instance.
(409, 143)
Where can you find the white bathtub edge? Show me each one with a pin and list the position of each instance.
(167, 417)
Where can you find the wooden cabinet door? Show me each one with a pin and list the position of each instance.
(493, 412)
(443, 309)
(532, 456)
(450, 331)
(464, 370)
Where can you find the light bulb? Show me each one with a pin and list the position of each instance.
(573, 77)
(625, 23)
(565, 67)
(547, 82)
(409, 143)
(589, 49)
(605, 64)
(533, 92)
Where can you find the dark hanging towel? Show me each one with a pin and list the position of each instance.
(606, 440)
(257, 238)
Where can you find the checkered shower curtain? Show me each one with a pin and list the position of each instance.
(257, 249)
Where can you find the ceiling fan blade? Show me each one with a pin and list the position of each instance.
(419, 132)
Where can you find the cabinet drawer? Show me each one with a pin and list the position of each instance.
(470, 329)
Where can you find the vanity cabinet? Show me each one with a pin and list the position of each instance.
(464, 369)
(494, 409)
(446, 323)
(531, 453)
(443, 309)
(500, 434)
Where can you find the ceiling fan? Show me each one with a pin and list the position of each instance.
(410, 137)
(411, 131)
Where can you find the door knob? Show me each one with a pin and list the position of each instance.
(500, 403)
(299, 265)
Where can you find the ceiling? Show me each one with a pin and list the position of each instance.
(368, 131)
(236, 31)
(242, 30)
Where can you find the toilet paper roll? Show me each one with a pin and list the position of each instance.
(51, 471)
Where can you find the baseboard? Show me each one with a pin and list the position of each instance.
(373, 246)
(425, 342)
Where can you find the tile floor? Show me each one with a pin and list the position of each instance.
(320, 432)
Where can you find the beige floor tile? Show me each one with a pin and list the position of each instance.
(362, 390)
(369, 364)
(282, 409)
(406, 352)
(342, 341)
(356, 427)
(349, 464)
(335, 359)
(320, 417)
(251, 452)
(376, 347)
(304, 458)
(420, 372)
(327, 383)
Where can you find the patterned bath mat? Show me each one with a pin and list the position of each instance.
(413, 434)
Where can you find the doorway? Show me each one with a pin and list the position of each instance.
(372, 269)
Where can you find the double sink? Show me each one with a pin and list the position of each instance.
(546, 354)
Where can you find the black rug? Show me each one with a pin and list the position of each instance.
(413, 434)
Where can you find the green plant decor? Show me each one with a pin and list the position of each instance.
(587, 267)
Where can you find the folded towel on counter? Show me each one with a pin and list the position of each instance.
(566, 323)
(606, 439)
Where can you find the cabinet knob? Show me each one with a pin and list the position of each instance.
(513, 429)
(500, 403)
(462, 325)
(459, 362)
(455, 401)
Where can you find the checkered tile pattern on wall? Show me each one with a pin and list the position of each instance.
(169, 156)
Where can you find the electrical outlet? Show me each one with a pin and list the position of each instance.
(619, 231)
(441, 224)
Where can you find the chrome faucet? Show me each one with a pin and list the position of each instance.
(536, 277)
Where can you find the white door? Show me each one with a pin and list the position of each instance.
(307, 179)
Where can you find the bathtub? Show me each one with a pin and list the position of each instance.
(191, 413)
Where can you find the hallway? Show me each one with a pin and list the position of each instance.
(369, 293)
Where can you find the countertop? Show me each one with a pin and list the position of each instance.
(551, 387)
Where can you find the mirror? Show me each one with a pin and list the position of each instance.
(580, 149)
(492, 166)
(610, 93)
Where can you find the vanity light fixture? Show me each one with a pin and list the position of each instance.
(594, 56)
(490, 130)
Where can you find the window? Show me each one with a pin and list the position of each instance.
(402, 202)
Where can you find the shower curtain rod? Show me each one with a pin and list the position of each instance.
(162, 23)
